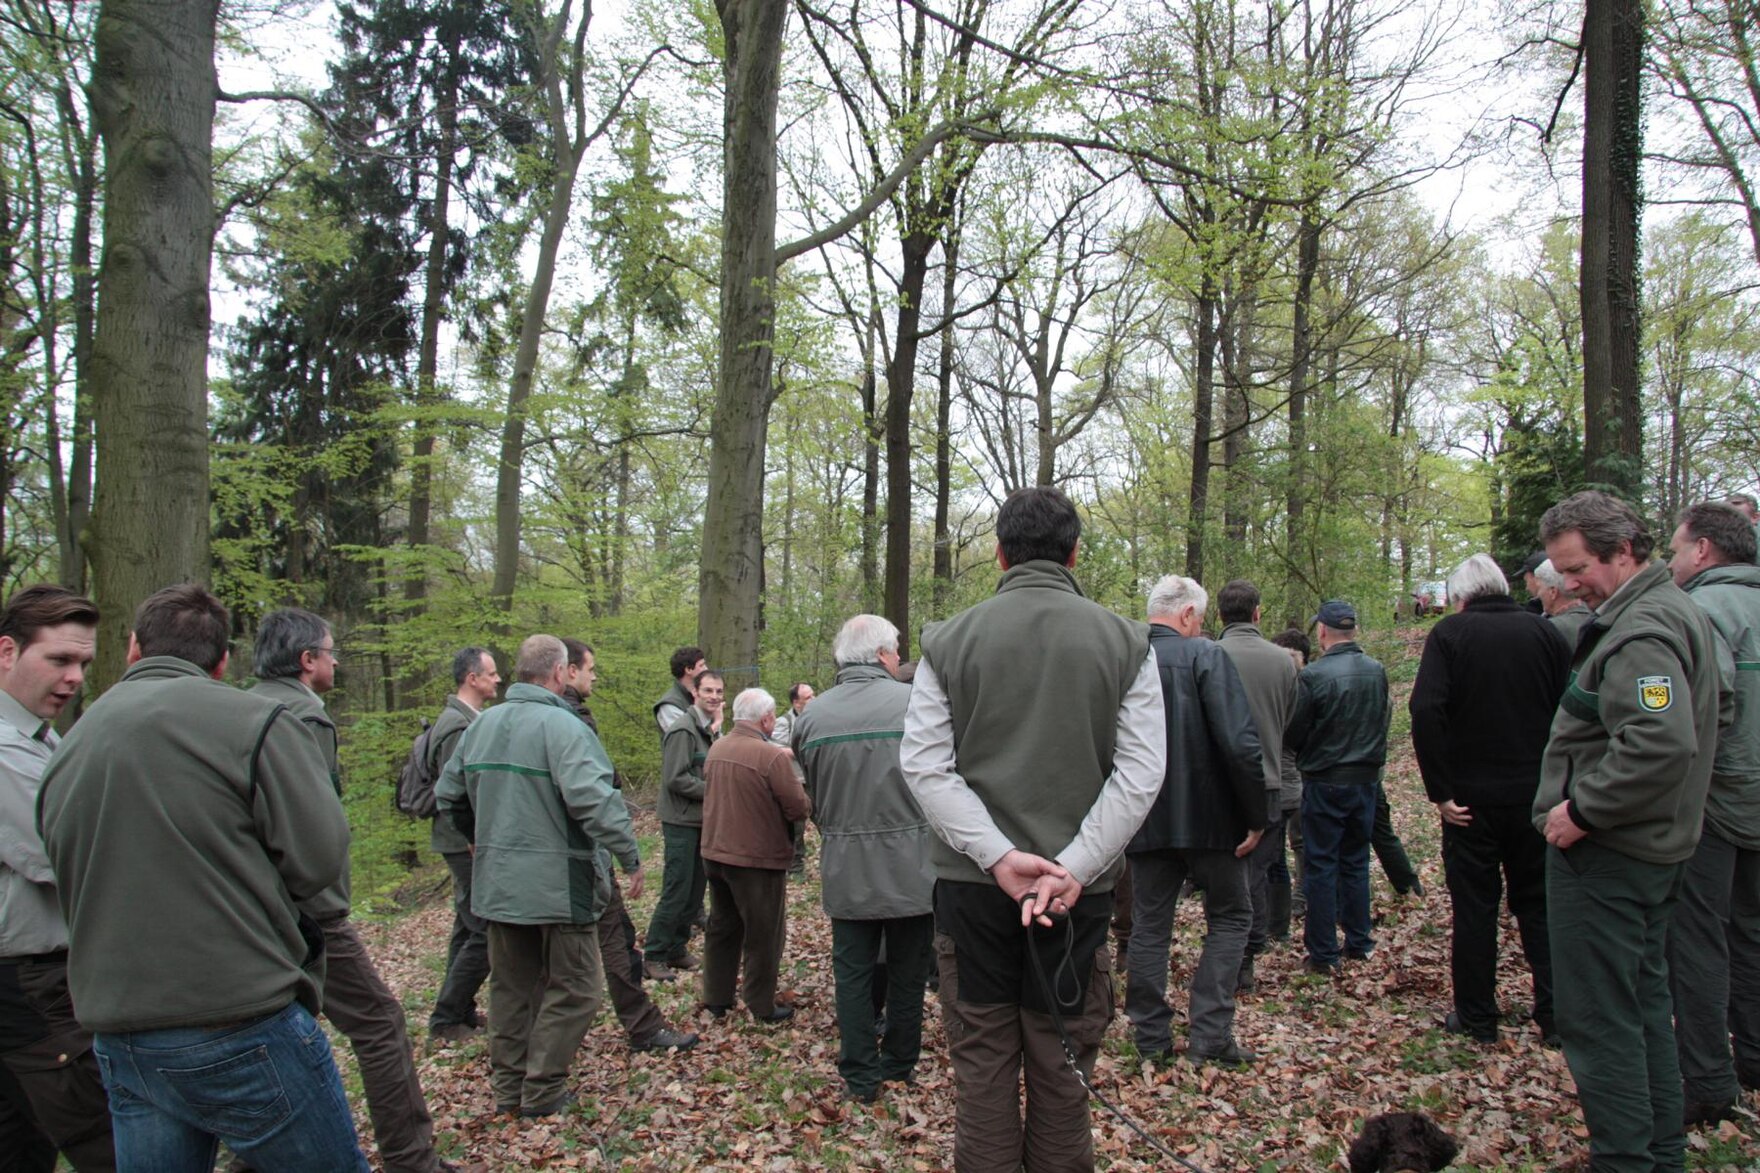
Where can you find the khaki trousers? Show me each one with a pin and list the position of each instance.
(546, 984)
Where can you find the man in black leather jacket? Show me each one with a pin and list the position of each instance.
(1340, 738)
(1205, 823)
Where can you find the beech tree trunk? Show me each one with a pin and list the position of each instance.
(1613, 146)
(153, 93)
(730, 571)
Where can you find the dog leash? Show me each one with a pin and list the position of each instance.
(1056, 1005)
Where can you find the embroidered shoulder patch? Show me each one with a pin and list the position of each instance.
(1656, 693)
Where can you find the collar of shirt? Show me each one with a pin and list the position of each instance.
(30, 726)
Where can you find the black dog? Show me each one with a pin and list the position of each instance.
(1398, 1141)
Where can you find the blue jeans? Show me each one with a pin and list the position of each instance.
(268, 1088)
(1337, 822)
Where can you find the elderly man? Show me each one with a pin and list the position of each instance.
(467, 950)
(751, 796)
(1563, 610)
(1489, 680)
(1268, 675)
(184, 819)
(47, 638)
(530, 787)
(878, 886)
(1714, 940)
(1340, 736)
(1621, 801)
(295, 663)
(683, 749)
(1035, 743)
(1206, 821)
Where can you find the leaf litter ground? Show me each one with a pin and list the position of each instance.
(751, 1097)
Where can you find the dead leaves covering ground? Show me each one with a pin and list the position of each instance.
(759, 1098)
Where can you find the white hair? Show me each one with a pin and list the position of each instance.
(1173, 593)
(863, 638)
(1549, 576)
(754, 704)
(1476, 577)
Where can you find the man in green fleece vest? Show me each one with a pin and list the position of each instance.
(1621, 800)
(1035, 743)
(1714, 940)
(184, 819)
(295, 663)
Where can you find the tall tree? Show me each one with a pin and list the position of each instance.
(1613, 154)
(153, 96)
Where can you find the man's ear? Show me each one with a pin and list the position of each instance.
(134, 649)
(1001, 558)
(1070, 562)
(219, 672)
(9, 652)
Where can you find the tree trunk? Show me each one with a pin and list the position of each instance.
(421, 475)
(1203, 394)
(943, 573)
(74, 491)
(153, 102)
(1613, 141)
(730, 571)
(900, 384)
(569, 148)
(1301, 362)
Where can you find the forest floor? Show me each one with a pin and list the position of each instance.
(1332, 1054)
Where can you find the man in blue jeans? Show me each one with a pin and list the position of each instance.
(1339, 734)
(184, 819)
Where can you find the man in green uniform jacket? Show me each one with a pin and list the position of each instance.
(1621, 799)
(683, 749)
(1714, 941)
(184, 818)
(530, 787)
(295, 662)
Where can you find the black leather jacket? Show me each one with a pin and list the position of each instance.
(1340, 728)
(1214, 791)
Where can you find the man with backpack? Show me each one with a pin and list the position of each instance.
(467, 953)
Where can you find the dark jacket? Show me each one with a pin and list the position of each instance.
(1730, 594)
(682, 753)
(752, 796)
(443, 738)
(1214, 791)
(1488, 683)
(1340, 727)
(184, 817)
(1269, 676)
(308, 706)
(1636, 732)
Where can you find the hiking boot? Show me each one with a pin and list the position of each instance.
(871, 1096)
(1246, 982)
(776, 1016)
(555, 1107)
(683, 961)
(1748, 1077)
(715, 1011)
(452, 1032)
(665, 1039)
(1695, 1112)
(658, 971)
(1230, 1055)
(1320, 968)
(1479, 1034)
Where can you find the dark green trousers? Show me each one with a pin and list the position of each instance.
(681, 893)
(907, 943)
(1608, 914)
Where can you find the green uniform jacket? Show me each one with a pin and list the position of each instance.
(1635, 732)
(682, 753)
(530, 785)
(443, 738)
(1731, 596)
(875, 861)
(308, 706)
(184, 818)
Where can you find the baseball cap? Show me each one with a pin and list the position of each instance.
(1336, 613)
(1533, 561)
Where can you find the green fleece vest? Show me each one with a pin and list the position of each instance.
(1731, 596)
(1034, 677)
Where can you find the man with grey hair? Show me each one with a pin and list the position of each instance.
(1564, 610)
(1205, 822)
(530, 788)
(750, 797)
(1748, 507)
(295, 662)
(1714, 939)
(878, 884)
(1622, 802)
(1488, 682)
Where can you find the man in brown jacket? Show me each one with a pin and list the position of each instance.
(751, 797)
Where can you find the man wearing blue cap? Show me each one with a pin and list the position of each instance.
(1339, 734)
